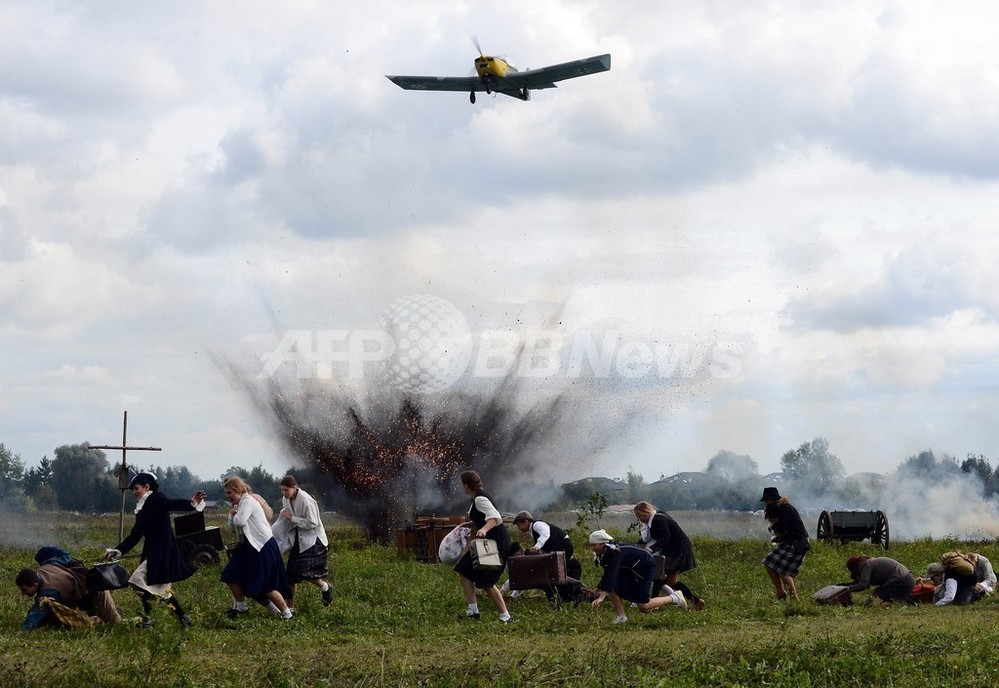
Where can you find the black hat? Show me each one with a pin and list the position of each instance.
(145, 478)
(770, 494)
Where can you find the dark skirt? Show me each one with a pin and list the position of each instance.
(635, 585)
(308, 565)
(257, 573)
(682, 560)
(785, 559)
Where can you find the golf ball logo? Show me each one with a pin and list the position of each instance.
(433, 344)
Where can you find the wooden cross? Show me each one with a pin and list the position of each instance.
(122, 471)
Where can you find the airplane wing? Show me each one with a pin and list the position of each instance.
(465, 84)
(547, 76)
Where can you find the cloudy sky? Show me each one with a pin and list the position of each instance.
(803, 197)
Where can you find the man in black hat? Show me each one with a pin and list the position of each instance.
(790, 544)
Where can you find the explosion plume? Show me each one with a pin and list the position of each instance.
(387, 456)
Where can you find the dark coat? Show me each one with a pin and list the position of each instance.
(159, 547)
(671, 542)
(789, 527)
(628, 571)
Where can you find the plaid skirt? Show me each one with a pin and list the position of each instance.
(308, 565)
(785, 559)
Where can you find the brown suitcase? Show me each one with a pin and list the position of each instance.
(660, 567)
(537, 570)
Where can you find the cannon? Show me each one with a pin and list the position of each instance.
(853, 526)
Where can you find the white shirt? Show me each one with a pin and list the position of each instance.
(543, 531)
(644, 531)
(486, 507)
(250, 522)
(950, 591)
(306, 520)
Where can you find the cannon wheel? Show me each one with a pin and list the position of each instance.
(203, 555)
(880, 534)
(824, 530)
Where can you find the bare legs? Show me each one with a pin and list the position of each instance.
(783, 584)
(468, 588)
(318, 582)
(272, 596)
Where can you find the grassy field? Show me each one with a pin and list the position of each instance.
(394, 623)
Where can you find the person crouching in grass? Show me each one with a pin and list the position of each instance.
(629, 572)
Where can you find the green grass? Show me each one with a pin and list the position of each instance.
(393, 623)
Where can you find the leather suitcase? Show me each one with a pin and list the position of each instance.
(485, 554)
(660, 567)
(530, 571)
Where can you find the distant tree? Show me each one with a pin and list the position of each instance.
(38, 476)
(45, 498)
(176, 481)
(12, 494)
(976, 464)
(636, 486)
(732, 467)
(11, 472)
(262, 482)
(105, 493)
(81, 479)
(926, 466)
(812, 467)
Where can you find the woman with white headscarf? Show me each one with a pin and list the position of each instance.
(628, 575)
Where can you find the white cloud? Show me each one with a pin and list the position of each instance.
(816, 183)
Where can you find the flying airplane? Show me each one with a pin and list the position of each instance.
(497, 75)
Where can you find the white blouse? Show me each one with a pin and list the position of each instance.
(250, 522)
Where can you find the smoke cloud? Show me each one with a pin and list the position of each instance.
(388, 455)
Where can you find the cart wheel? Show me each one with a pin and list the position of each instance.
(824, 530)
(203, 555)
(880, 536)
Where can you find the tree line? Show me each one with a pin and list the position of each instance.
(810, 472)
(81, 478)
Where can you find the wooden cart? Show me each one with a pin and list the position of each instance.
(853, 526)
